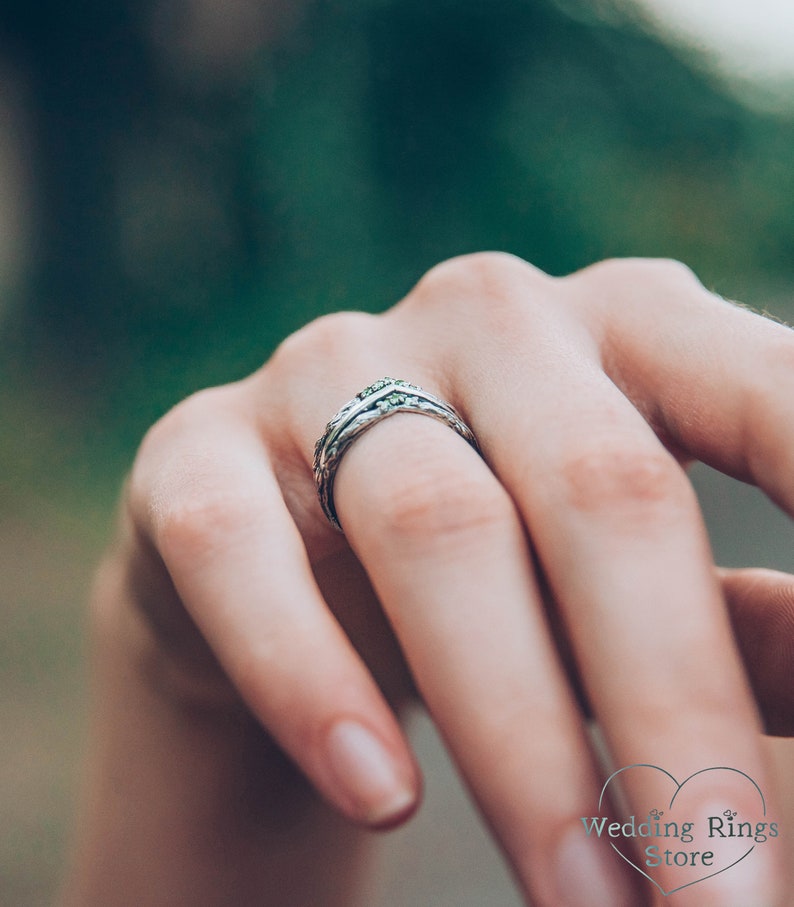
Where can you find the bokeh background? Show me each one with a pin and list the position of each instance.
(184, 182)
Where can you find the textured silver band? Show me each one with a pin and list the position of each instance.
(378, 401)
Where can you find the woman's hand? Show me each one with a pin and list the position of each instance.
(568, 563)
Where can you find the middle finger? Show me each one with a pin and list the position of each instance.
(618, 533)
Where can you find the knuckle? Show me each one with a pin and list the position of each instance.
(478, 267)
(188, 416)
(434, 502)
(609, 476)
(156, 462)
(482, 278)
(667, 272)
(182, 492)
(638, 281)
(674, 272)
(197, 517)
(329, 338)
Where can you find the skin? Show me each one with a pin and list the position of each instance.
(238, 636)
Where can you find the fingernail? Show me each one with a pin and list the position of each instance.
(368, 773)
(589, 874)
(747, 871)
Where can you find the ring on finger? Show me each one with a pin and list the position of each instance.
(377, 401)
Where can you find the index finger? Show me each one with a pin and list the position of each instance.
(711, 376)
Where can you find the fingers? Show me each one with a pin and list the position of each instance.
(618, 533)
(612, 518)
(761, 607)
(569, 386)
(204, 492)
(615, 524)
(714, 378)
(447, 554)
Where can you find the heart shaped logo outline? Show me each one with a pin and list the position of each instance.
(714, 768)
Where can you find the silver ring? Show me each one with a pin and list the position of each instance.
(378, 401)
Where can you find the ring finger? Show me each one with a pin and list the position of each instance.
(448, 556)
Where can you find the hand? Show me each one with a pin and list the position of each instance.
(577, 532)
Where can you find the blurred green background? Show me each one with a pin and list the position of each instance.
(184, 183)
